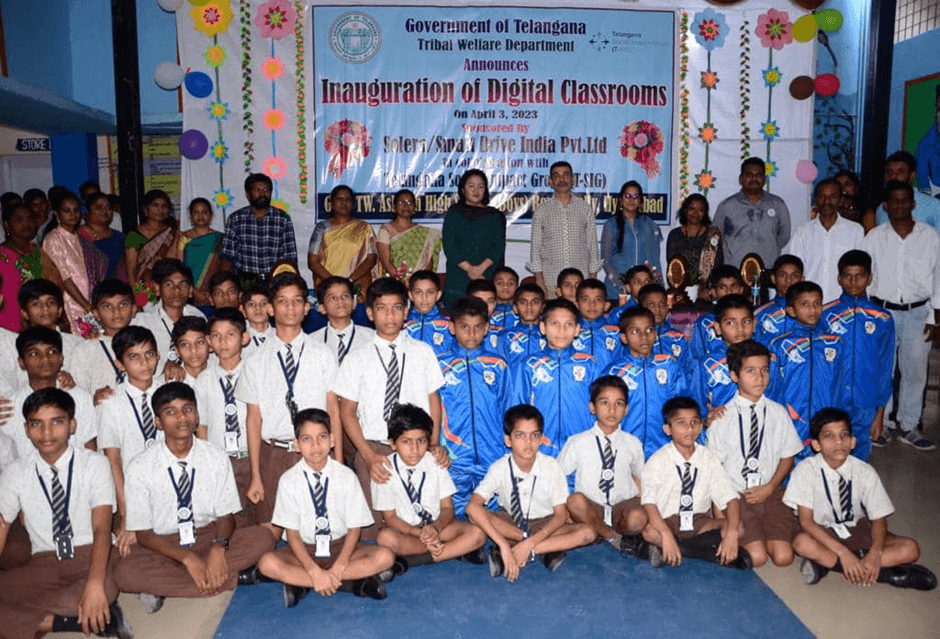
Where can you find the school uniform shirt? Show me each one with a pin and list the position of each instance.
(94, 365)
(540, 490)
(583, 455)
(256, 339)
(806, 488)
(354, 337)
(160, 324)
(771, 320)
(662, 481)
(503, 316)
(599, 339)
(15, 377)
(558, 383)
(519, 343)
(86, 420)
(210, 401)
(432, 328)
(346, 505)
(118, 425)
(362, 378)
(729, 438)
(650, 382)
(21, 491)
(705, 338)
(429, 480)
(7, 452)
(263, 382)
(150, 494)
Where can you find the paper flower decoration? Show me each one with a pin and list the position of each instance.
(215, 56)
(219, 151)
(347, 142)
(272, 68)
(772, 76)
(770, 168)
(274, 119)
(710, 29)
(218, 110)
(774, 29)
(704, 181)
(709, 79)
(213, 17)
(275, 167)
(222, 198)
(770, 130)
(281, 204)
(276, 19)
(708, 133)
(641, 141)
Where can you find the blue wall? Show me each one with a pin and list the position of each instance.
(37, 35)
(913, 58)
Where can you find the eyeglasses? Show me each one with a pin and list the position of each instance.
(631, 196)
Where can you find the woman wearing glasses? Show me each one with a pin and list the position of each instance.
(629, 238)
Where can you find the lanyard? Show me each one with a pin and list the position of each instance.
(760, 440)
(288, 377)
(319, 507)
(605, 467)
(68, 491)
(257, 342)
(414, 496)
(228, 393)
(183, 499)
(838, 519)
(686, 504)
(107, 353)
(385, 366)
(515, 490)
(140, 422)
(352, 336)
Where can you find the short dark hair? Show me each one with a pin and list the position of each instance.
(897, 185)
(231, 315)
(591, 283)
(406, 417)
(855, 257)
(675, 404)
(560, 163)
(827, 416)
(131, 336)
(469, 173)
(903, 156)
(334, 280)
(342, 187)
(89, 184)
(200, 200)
(801, 288)
(520, 412)
(402, 193)
(565, 273)
(37, 335)
(753, 161)
(168, 266)
(94, 197)
(650, 289)
(313, 416)
(33, 194)
(783, 260)
(528, 287)
(189, 323)
(257, 288)
(829, 181)
(257, 177)
(34, 289)
(632, 313)
(386, 286)
(729, 302)
(480, 285)
(55, 397)
(63, 196)
(221, 278)
(111, 287)
(724, 272)
(153, 195)
(283, 280)
(687, 202)
(469, 306)
(508, 270)
(737, 353)
(171, 392)
(424, 275)
(558, 304)
(637, 268)
(609, 381)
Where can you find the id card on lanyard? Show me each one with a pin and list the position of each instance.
(184, 502)
(290, 377)
(752, 477)
(607, 476)
(838, 526)
(321, 535)
(63, 541)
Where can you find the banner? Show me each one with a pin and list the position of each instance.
(412, 97)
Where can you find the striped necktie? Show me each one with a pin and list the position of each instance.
(606, 485)
(61, 523)
(342, 349)
(231, 419)
(150, 429)
(845, 499)
(392, 385)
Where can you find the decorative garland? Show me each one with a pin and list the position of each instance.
(248, 124)
(710, 30)
(745, 83)
(774, 30)
(684, 127)
(216, 56)
(300, 75)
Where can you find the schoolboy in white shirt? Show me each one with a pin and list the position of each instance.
(255, 308)
(337, 301)
(191, 343)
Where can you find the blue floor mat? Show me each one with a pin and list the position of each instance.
(594, 594)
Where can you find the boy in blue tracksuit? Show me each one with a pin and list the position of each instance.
(557, 381)
(652, 379)
(771, 318)
(506, 281)
(669, 341)
(712, 385)
(868, 333)
(475, 393)
(636, 278)
(724, 280)
(596, 337)
(810, 363)
(524, 339)
(485, 290)
(425, 322)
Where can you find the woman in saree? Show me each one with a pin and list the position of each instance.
(201, 246)
(404, 247)
(154, 238)
(97, 229)
(342, 245)
(696, 239)
(22, 259)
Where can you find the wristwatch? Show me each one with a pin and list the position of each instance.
(221, 540)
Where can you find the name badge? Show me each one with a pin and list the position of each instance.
(63, 548)
(230, 409)
(231, 441)
(753, 480)
(841, 531)
(607, 475)
(323, 546)
(685, 521)
(608, 515)
(187, 533)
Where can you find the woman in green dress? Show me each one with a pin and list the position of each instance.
(403, 246)
(201, 246)
(154, 238)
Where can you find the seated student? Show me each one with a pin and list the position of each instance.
(636, 278)
(181, 501)
(771, 319)
(485, 291)
(221, 415)
(596, 337)
(566, 285)
(809, 363)
(506, 281)
(337, 300)
(126, 425)
(711, 382)
(321, 508)
(651, 379)
(291, 371)
(396, 369)
(94, 365)
(724, 280)
(868, 333)
(477, 387)
(42, 304)
(420, 527)
(67, 585)
(524, 339)
(173, 283)
(843, 513)
(39, 354)
(756, 442)
(255, 309)
(681, 483)
(607, 463)
(190, 340)
(225, 290)
(668, 340)
(425, 322)
(532, 519)
(559, 371)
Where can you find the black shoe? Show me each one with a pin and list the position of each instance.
(657, 560)
(252, 576)
(293, 595)
(497, 567)
(634, 546)
(371, 587)
(118, 626)
(908, 576)
(743, 561)
(151, 603)
(553, 560)
(811, 571)
(398, 568)
(476, 557)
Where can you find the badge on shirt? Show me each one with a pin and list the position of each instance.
(686, 519)
(608, 515)
(187, 533)
(676, 350)
(489, 377)
(578, 344)
(631, 383)
(711, 333)
(771, 213)
(493, 341)
(515, 347)
(63, 547)
(231, 441)
(841, 531)
(830, 354)
(794, 356)
(542, 375)
(438, 339)
(662, 376)
(323, 546)
(451, 380)
(870, 328)
(753, 479)
(837, 327)
(611, 343)
(579, 373)
(769, 325)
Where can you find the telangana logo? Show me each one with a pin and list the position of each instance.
(355, 37)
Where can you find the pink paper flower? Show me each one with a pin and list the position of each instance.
(774, 29)
(272, 68)
(274, 119)
(276, 19)
(275, 167)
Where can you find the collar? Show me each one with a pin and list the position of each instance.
(677, 457)
(844, 471)
(325, 473)
(742, 197)
(434, 313)
(346, 331)
(136, 393)
(597, 432)
(839, 223)
(61, 464)
(845, 298)
(467, 353)
(568, 351)
(745, 404)
(265, 333)
(172, 460)
(594, 324)
(384, 343)
(295, 343)
(536, 467)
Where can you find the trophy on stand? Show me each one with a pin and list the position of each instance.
(679, 277)
(752, 270)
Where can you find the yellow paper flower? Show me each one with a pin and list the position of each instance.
(213, 17)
